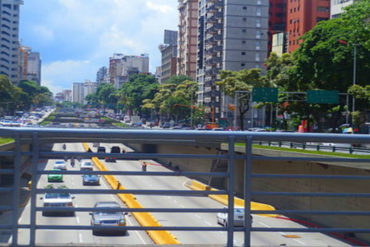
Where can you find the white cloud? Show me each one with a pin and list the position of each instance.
(163, 8)
(44, 33)
(83, 35)
(61, 74)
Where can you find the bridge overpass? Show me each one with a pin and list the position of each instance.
(161, 190)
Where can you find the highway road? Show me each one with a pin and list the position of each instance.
(166, 219)
(205, 219)
(80, 218)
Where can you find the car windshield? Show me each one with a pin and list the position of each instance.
(107, 213)
(239, 210)
(59, 162)
(87, 164)
(90, 176)
(57, 195)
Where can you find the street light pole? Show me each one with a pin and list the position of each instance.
(354, 73)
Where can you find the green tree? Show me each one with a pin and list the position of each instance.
(243, 80)
(136, 90)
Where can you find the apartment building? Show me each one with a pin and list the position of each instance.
(82, 89)
(29, 65)
(187, 38)
(9, 42)
(102, 75)
(232, 36)
(277, 20)
(169, 55)
(337, 6)
(302, 16)
(122, 66)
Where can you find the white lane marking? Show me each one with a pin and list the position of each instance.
(78, 220)
(80, 237)
(137, 232)
(198, 216)
(264, 224)
(299, 241)
(207, 223)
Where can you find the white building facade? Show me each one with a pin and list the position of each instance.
(9, 41)
(336, 7)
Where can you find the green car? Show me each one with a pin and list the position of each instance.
(55, 177)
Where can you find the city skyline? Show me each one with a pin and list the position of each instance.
(75, 39)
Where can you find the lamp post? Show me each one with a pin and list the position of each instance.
(354, 68)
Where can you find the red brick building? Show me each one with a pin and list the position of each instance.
(302, 16)
(277, 19)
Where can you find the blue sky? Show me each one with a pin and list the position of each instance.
(76, 37)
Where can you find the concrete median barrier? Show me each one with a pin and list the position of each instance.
(223, 199)
(144, 219)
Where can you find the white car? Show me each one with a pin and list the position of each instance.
(222, 218)
(86, 165)
(57, 200)
(60, 164)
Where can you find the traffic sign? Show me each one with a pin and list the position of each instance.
(265, 94)
(322, 97)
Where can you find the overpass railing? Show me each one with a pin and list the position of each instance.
(37, 137)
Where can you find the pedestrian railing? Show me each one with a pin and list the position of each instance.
(37, 137)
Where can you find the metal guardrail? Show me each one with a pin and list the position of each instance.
(35, 136)
(317, 147)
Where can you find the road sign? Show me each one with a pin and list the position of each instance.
(322, 97)
(265, 94)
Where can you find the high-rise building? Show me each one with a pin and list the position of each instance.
(169, 55)
(29, 65)
(170, 37)
(158, 72)
(187, 38)
(336, 7)
(9, 42)
(89, 88)
(121, 67)
(82, 89)
(232, 36)
(302, 16)
(78, 92)
(277, 19)
(34, 67)
(102, 75)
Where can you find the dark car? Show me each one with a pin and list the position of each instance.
(113, 150)
(90, 179)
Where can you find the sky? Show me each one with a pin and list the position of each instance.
(76, 37)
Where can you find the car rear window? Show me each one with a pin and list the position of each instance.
(115, 150)
(101, 149)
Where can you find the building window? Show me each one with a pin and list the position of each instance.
(244, 19)
(244, 30)
(243, 53)
(243, 42)
(259, 2)
(258, 45)
(258, 11)
(258, 23)
(322, 9)
(257, 57)
(243, 64)
(245, 7)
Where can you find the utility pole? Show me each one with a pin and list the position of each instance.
(354, 73)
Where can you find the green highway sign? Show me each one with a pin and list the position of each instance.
(265, 94)
(322, 97)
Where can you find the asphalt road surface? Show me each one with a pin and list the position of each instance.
(80, 218)
(166, 219)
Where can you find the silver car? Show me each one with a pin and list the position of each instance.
(222, 218)
(108, 218)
